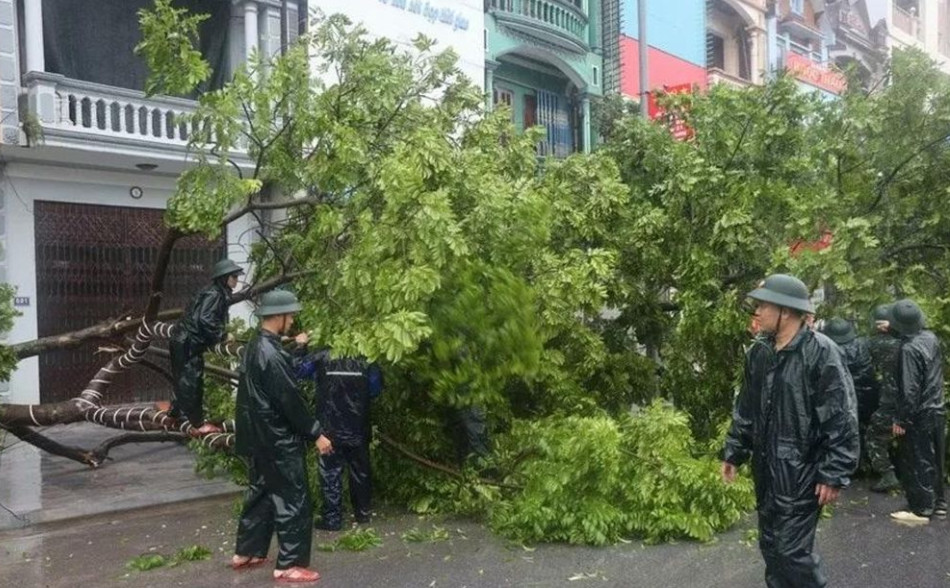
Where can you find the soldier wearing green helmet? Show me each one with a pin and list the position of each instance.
(274, 427)
(796, 414)
(920, 416)
(203, 326)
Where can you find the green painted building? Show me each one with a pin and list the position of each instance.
(544, 60)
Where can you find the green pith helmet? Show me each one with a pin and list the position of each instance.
(785, 291)
(278, 302)
(840, 331)
(225, 267)
(906, 317)
(881, 312)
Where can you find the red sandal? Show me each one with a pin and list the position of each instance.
(296, 576)
(245, 562)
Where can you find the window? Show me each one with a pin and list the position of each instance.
(596, 76)
(715, 51)
(502, 97)
(798, 7)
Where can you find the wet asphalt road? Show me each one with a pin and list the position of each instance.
(860, 547)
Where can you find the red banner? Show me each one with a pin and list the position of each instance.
(814, 74)
(678, 127)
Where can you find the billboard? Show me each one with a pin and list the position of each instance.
(458, 24)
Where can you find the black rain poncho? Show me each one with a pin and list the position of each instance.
(920, 410)
(858, 361)
(274, 430)
(796, 418)
(203, 325)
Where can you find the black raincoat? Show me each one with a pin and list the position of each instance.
(858, 361)
(274, 430)
(344, 389)
(796, 418)
(920, 410)
(203, 325)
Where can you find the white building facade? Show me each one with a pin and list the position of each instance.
(87, 165)
(916, 23)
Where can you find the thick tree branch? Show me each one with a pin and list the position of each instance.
(405, 451)
(212, 370)
(101, 453)
(113, 327)
(157, 286)
(28, 435)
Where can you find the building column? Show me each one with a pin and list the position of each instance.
(490, 67)
(757, 65)
(251, 37)
(585, 109)
(33, 23)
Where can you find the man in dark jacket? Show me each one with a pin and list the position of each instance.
(796, 417)
(857, 355)
(920, 416)
(885, 350)
(274, 428)
(345, 386)
(203, 326)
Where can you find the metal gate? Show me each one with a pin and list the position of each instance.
(95, 262)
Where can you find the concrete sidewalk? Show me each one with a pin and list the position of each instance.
(36, 487)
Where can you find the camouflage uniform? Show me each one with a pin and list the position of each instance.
(884, 354)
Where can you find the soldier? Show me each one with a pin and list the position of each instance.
(885, 348)
(921, 419)
(796, 417)
(203, 325)
(274, 428)
(857, 356)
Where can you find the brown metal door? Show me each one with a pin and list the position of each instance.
(95, 262)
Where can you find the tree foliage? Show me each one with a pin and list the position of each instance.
(558, 296)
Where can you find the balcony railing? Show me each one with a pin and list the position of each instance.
(718, 76)
(908, 22)
(94, 111)
(564, 18)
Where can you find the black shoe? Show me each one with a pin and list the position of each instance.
(940, 512)
(324, 526)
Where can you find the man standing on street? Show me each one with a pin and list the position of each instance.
(885, 349)
(274, 427)
(921, 416)
(796, 417)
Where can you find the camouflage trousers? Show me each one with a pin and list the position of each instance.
(877, 442)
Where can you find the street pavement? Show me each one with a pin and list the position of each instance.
(861, 549)
(154, 511)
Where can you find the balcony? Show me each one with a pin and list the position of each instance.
(559, 22)
(715, 75)
(69, 109)
(907, 21)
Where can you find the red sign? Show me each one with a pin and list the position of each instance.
(814, 74)
(678, 126)
(824, 242)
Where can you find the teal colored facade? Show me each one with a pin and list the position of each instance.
(543, 60)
